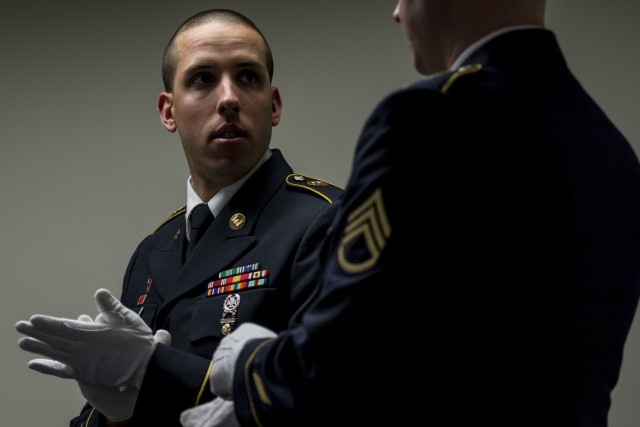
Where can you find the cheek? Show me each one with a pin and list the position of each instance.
(259, 110)
(192, 112)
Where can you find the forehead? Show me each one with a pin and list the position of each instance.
(219, 40)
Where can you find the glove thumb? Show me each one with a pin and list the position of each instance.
(114, 313)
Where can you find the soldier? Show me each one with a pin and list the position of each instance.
(256, 261)
(484, 267)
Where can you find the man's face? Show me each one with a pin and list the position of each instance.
(222, 104)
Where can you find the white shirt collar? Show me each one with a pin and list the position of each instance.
(221, 198)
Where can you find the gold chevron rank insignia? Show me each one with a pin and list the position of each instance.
(365, 235)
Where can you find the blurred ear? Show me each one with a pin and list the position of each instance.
(165, 111)
(276, 106)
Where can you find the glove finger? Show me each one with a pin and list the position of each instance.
(162, 336)
(199, 415)
(244, 333)
(51, 367)
(225, 414)
(61, 326)
(36, 338)
(38, 347)
(24, 327)
(100, 318)
(85, 318)
(59, 333)
(249, 330)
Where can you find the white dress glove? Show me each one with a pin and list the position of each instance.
(113, 403)
(220, 411)
(117, 403)
(217, 413)
(225, 356)
(114, 351)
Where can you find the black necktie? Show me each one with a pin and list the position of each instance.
(201, 217)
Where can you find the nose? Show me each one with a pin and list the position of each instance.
(396, 14)
(228, 103)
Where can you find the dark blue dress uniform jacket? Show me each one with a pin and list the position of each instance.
(286, 216)
(484, 268)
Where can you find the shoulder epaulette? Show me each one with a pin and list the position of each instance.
(464, 70)
(178, 212)
(319, 187)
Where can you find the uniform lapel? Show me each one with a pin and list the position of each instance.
(166, 262)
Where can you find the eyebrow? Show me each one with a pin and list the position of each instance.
(239, 64)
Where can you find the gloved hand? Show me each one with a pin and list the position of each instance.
(112, 352)
(226, 355)
(217, 413)
(113, 403)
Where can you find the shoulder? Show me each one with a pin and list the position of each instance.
(429, 97)
(314, 186)
(177, 213)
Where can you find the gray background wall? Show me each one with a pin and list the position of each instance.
(86, 170)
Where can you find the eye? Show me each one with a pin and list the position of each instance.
(202, 80)
(249, 76)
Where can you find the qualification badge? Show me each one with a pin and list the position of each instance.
(230, 307)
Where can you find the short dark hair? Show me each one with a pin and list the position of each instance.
(200, 18)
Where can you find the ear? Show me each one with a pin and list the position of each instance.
(276, 106)
(165, 111)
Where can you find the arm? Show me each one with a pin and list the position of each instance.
(348, 341)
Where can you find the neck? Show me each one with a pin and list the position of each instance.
(473, 20)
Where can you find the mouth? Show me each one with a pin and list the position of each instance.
(228, 133)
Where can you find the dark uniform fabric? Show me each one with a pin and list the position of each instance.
(484, 267)
(285, 217)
